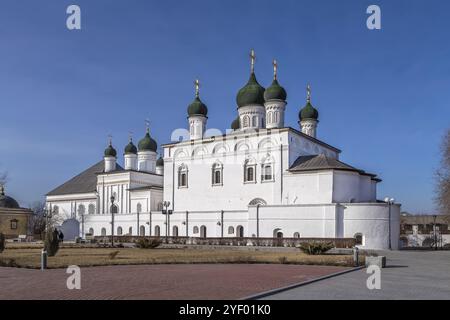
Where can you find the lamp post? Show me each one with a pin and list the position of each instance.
(112, 220)
(390, 202)
(434, 232)
(167, 212)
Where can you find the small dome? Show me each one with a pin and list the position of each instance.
(130, 148)
(275, 92)
(251, 93)
(160, 162)
(110, 151)
(147, 143)
(197, 107)
(7, 202)
(236, 124)
(308, 112)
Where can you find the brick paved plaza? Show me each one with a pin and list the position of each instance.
(194, 281)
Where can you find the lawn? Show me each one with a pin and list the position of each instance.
(29, 257)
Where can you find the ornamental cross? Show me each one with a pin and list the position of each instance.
(110, 139)
(252, 59)
(130, 136)
(275, 69)
(197, 87)
(147, 124)
(308, 93)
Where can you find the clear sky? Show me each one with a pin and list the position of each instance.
(383, 95)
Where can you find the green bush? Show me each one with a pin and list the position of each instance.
(145, 243)
(316, 247)
(2, 242)
(51, 243)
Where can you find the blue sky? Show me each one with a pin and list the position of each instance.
(383, 95)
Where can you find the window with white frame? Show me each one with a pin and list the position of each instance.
(245, 122)
(182, 176)
(249, 171)
(139, 208)
(217, 174)
(91, 209)
(267, 173)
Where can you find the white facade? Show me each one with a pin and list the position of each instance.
(261, 180)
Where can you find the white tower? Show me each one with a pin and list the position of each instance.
(130, 155)
(309, 116)
(275, 97)
(197, 115)
(250, 101)
(110, 157)
(147, 153)
(160, 166)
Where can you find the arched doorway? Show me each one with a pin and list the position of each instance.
(91, 231)
(103, 233)
(157, 231)
(203, 232)
(175, 231)
(240, 231)
(142, 231)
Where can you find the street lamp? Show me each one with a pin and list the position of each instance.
(167, 212)
(434, 231)
(112, 220)
(390, 202)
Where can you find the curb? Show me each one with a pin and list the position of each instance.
(299, 284)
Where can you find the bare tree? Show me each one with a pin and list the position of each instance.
(42, 219)
(443, 178)
(3, 178)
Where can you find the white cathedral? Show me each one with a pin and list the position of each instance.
(260, 179)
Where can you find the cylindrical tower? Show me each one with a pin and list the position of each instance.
(160, 166)
(197, 115)
(275, 102)
(110, 155)
(130, 155)
(308, 116)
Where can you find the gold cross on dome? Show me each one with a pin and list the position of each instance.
(130, 136)
(110, 139)
(147, 125)
(308, 93)
(197, 87)
(252, 59)
(275, 69)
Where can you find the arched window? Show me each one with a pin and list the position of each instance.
(296, 235)
(130, 231)
(103, 233)
(245, 122)
(230, 230)
(139, 208)
(358, 239)
(91, 209)
(275, 117)
(269, 117)
(91, 231)
(119, 231)
(160, 206)
(240, 231)
(182, 176)
(114, 209)
(195, 230)
(267, 169)
(249, 171)
(217, 170)
(257, 201)
(55, 209)
(157, 231)
(14, 224)
(142, 231)
(175, 231)
(254, 121)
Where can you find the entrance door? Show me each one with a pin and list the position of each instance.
(203, 232)
(240, 231)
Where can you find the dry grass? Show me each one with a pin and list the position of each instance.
(29, 257)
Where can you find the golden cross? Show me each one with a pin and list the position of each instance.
(252, 59)
(147, 124)
(197, 87)
(275, 69)
(308, 92)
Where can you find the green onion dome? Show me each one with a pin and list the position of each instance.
(236, 124)
(197, 107)
(275, 92)
(160, 162)
(147, 143)
(110, 151)
(251, 93)
(130, 148)
(308, 112)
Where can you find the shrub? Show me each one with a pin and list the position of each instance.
(145, 243)
(2, 242)
(51, 243)
(283, 260)
(113, 255)
(315, 247)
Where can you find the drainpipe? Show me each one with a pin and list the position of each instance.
(221, 223)
(257, 221)
(187, 223)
